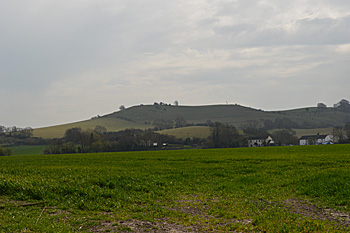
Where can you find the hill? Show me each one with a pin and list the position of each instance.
(144, 116)
(111, 124)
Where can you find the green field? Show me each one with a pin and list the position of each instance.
(188, 132)
(28, 150)
(275, 189)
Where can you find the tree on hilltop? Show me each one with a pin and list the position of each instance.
(321, 105)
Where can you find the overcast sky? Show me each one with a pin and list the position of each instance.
(64, 61)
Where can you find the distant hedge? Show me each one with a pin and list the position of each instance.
(5, 151)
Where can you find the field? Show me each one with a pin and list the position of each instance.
(28, 150)
(276, 189)
(188, 132)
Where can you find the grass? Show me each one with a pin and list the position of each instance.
(111, 124)
(28, 150)
(188, 132)
(243, 189)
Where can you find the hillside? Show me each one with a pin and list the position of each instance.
(143, 117)
(111, 124)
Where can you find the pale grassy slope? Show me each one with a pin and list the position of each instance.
(111, 124)
(185, 132)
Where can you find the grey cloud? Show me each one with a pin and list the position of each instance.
(136, 51)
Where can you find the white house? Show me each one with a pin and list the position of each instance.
(260, 142)
(316, 140)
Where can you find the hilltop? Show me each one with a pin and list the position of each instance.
(144, 117)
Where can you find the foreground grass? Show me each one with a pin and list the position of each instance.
(280, 189)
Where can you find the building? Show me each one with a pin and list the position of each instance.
(258, 142)
(316, 140)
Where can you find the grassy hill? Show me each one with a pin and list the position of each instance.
(143, 116)
(111, 124)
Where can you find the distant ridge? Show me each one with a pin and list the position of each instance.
(143, 117)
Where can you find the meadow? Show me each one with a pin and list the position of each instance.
(275, 189)
(28, 150)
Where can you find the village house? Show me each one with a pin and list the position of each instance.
(316, 140)
(258, 142)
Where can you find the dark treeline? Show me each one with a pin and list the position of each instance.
(77, 140)
(16, 132)
(15, 136)
(221, 135)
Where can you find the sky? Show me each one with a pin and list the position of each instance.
(67, 61)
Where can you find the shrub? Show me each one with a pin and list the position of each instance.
(5, 151)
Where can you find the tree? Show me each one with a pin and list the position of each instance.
(82, 138)
(2, 129)
(338, 134)
(343, 104)
(5, 151)
(23, 133)
(121, 107)
(347, 130)
(73, 135)
(222, 135)
(176, 103)
(321, 105)
(285, 137)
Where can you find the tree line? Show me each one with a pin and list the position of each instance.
(16, 132)
(77, 140)
(221, 135)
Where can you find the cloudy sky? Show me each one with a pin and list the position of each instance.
(67, 61)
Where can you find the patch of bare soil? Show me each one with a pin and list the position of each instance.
(162, 225)
(134, 225)
(309, 210)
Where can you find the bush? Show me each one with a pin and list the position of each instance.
(5, 151)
